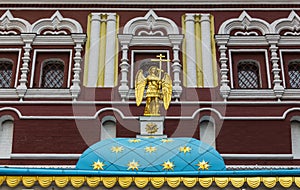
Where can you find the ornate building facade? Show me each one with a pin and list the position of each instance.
(67, 75)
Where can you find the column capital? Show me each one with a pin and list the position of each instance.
(273, 39)
(205, 17)
(28, 38)
(79, 38)
(125, 39)
(96, 17)
(176, 39)
(111, 17)
(190, 17)
(222, 39)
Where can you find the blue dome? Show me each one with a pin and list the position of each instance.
(151, 155)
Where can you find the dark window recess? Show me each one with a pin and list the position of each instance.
(5, 73)
(248, 74)
(294, 73)
(52, 74)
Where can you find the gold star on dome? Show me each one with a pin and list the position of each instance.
(117, 149)
(150, 149)
(133, 165)
(166, 140)
(203, 165)
(98, 165)
(168, 165)
(185, 149)
(135, 140)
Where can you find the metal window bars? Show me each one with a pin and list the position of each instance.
(52, 74)
(5, 73)
(294, 73)
(248, 74)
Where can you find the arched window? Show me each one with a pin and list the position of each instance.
(6, 66)
(6, 135)
(248, 74)
(52, 74)
(295, 135)
(208, 130)
(108, 127)
(294, 73)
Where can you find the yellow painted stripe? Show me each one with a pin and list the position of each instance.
(184, 67)
(198, 42)
(116, 52)
(87, 49)
(213, 50)
(102, 52)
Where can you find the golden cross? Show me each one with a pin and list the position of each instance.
(160, 60)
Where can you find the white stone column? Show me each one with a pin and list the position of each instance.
(124, 88)
(176, 40)
(190, 51)
(79, 40)
(22, 87)
(207, 61)
(278, 88)
(109, 74)
(224, 88)
(93, 69)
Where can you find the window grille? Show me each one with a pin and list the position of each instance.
(248, 74)
(5, 73)
(294, 73)
(52, 74)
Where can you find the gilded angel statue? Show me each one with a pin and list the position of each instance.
(157, 90)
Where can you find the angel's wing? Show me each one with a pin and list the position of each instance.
(167, 90)
(140, 83)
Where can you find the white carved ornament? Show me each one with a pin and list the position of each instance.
(150, 25)
(57, 24)
(9, 24)
(290, 25)
(245, 25)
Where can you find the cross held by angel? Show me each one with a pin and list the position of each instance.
(157, 89)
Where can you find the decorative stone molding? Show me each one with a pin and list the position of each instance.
(154, 31)
(245, 22)
(56, 22)
(291, 23)
(150, 25)
(10, 23)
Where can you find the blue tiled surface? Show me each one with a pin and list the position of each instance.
(151, 162)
